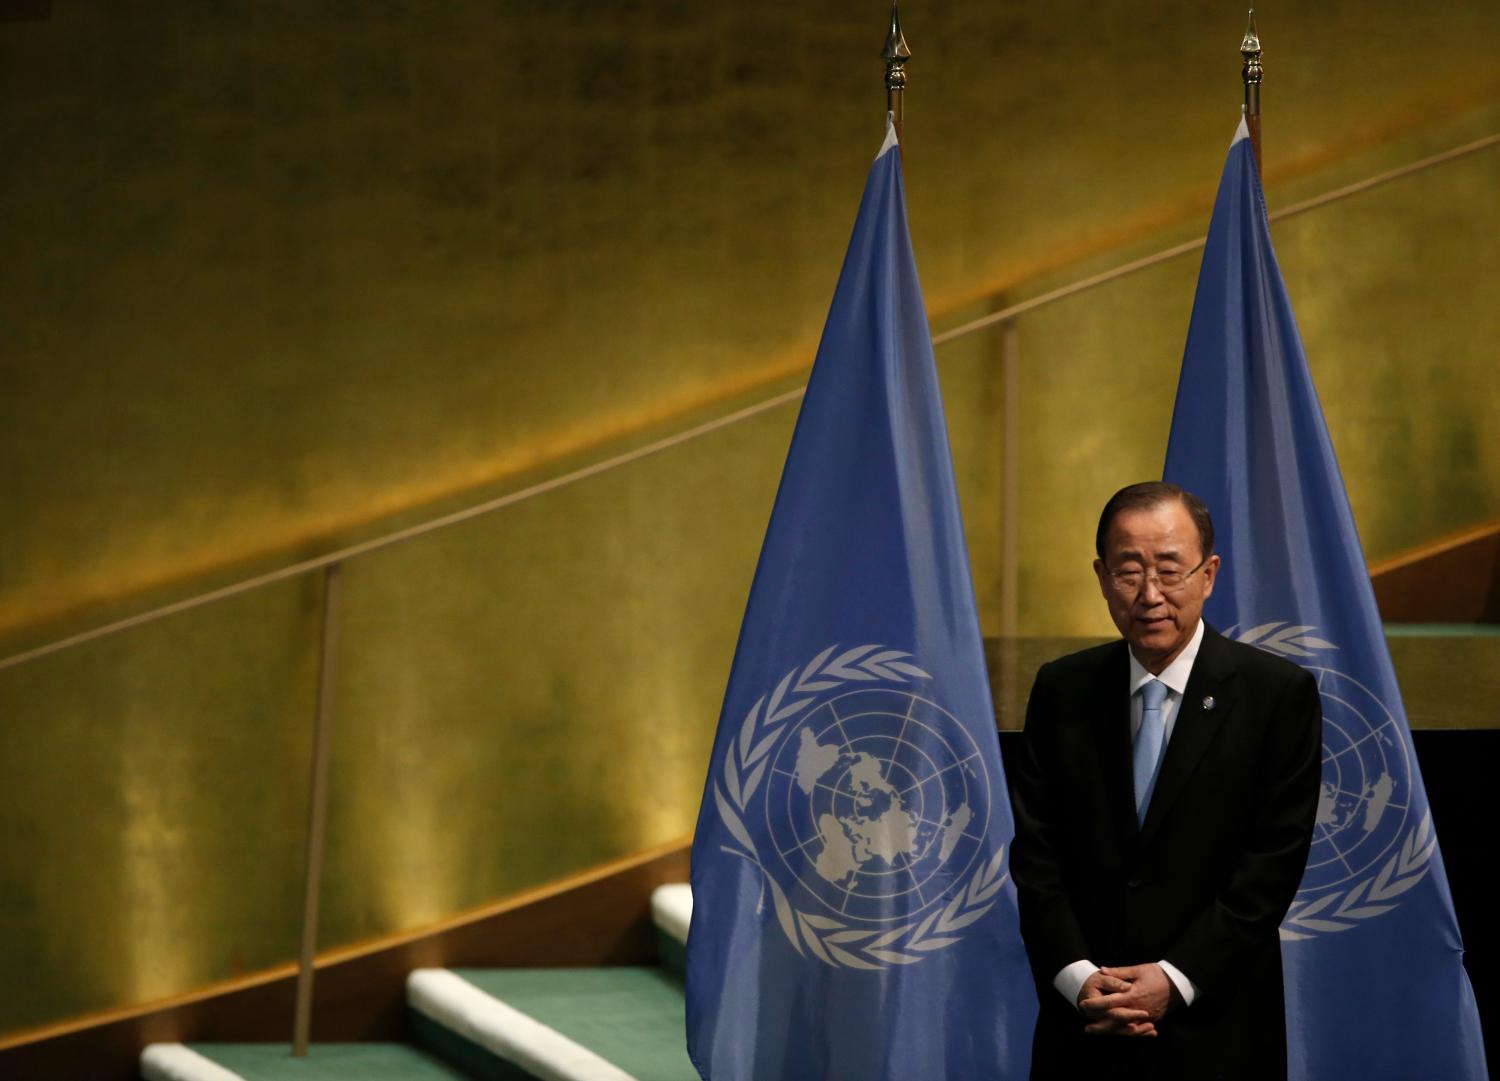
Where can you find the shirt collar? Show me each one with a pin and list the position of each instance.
(1175, 675)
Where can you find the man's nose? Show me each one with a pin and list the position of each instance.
(1151, 592)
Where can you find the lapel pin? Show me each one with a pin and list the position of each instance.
(1208, 702)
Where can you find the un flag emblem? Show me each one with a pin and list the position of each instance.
(876, 800)
(866, 806)
(1366, 850)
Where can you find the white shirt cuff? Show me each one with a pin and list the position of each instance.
(1185, 987)
(1072, 978)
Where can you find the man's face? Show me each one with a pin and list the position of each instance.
(1159, 540)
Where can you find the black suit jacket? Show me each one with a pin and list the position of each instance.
(1203, 883)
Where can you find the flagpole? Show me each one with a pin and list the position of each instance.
(1251, 74)
(895, 54)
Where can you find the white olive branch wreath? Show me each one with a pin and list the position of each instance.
(829, 940)
(1341, 910)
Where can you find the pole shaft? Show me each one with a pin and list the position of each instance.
(1010, 480)
(317, 812)
(1007, 657)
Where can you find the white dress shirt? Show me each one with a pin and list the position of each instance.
(1072, 977)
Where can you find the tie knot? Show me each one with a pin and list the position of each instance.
(1153, 693)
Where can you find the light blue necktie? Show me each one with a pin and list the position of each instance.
(1149, 740)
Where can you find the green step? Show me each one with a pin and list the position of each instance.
(671, 911)
(573, 1024)
(274, 1062)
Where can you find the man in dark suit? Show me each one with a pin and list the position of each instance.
(1164, 796)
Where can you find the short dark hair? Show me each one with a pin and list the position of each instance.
(1153, 493)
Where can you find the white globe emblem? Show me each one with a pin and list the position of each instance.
(865, 810)
(877, 803)
(1364, 801)
(1368, 846)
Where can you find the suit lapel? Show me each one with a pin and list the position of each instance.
(1206, 704)
(1111, 712)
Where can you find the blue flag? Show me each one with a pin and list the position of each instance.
(1375, 983)
(853, 912)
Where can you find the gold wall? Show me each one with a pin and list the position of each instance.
(281, 276)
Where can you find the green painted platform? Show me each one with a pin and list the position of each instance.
(633, 1018)
(575, 1024)
(330, 1062)
(671, 953)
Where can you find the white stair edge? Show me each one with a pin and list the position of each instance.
(178, 1062)
(481, 1018)
(672, 909)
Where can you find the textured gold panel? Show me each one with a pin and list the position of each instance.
(279, 275)
(154, 801)
(1391, 295)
